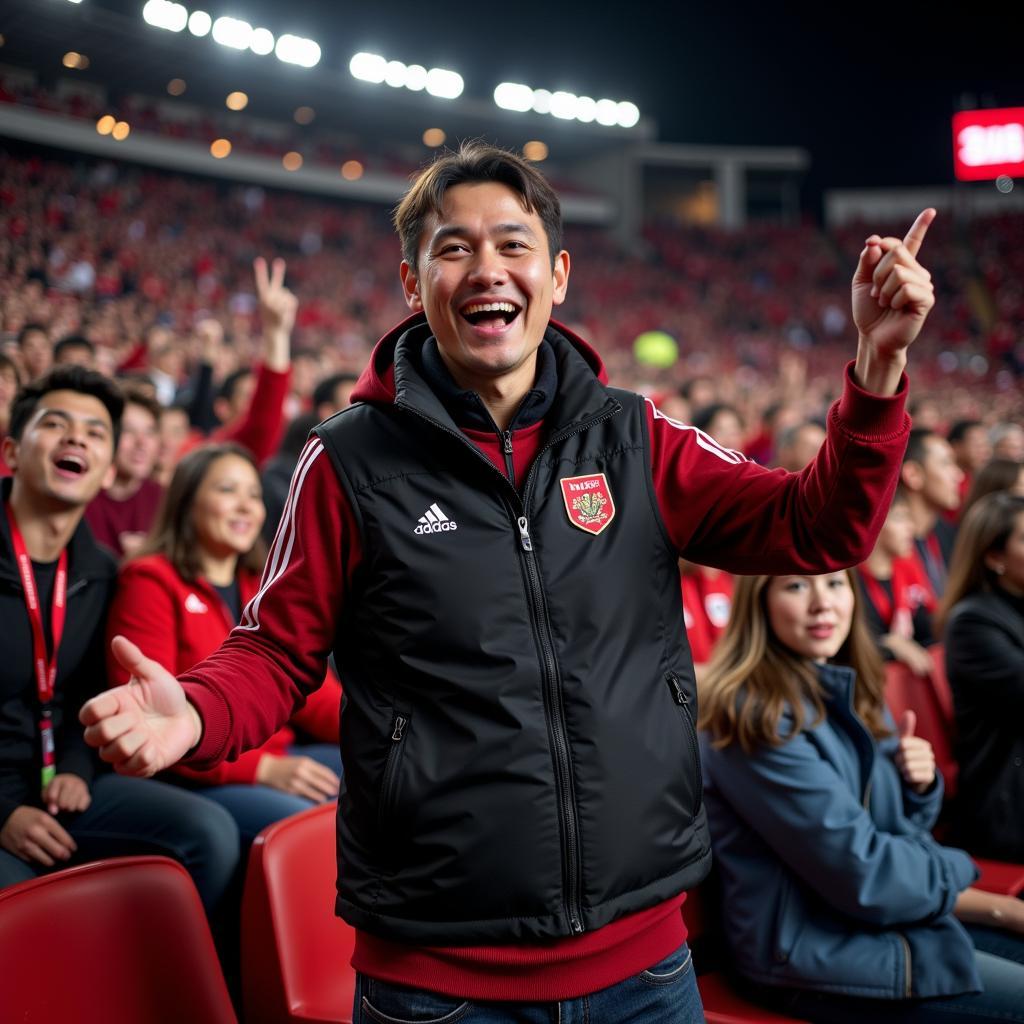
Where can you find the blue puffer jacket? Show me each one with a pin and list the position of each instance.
(831, 880)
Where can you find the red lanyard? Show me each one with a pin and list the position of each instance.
(878, 597)
(45, 666)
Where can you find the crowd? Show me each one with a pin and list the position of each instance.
(158, 381)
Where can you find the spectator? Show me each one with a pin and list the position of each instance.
(723, 423)
(175, 433)
(898, 602)
(931, 479)
(840, 905)
(74, 350)
(35, 349)
(277, 473)
(984, 634)
(798, 445)
(1008, 441)
(10, 380)
(333, 394)
(971, 449)
(707, 599)
(181, 596)
(120, 516)
(56, 806)
(997, 475)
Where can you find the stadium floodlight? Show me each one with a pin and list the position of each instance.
(164, 14)
(199, 23)
(542, 101)
(416, 77)
(262, 41)
(607, 113)
(368, 67)
(513, 96)
(627, 114)
(296, 50)
(563, 105)
(232, 32)
(446, 85)
(395, 74)
(586, 109)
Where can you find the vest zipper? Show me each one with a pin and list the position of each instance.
(506, 447)
(907, 967)
(387, 786)
(679, 696)
(573, 898)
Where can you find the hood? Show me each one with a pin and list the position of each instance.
(377, 381)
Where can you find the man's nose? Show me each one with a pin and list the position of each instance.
(488, 267)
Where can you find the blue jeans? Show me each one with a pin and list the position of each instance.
(254, 806)
(140, 816)
(665, 993)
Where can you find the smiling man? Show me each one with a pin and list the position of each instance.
(488, 539)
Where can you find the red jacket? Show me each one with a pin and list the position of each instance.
(707, 601)
(178, 623)
(719, 509)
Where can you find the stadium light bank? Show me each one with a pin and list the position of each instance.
(566, 105)
(234, 33)
(378, 70)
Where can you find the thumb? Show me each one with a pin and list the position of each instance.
(908, 723)
(131, 659)
(869, 257)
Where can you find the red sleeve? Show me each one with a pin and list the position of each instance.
(242, 771)
(321, 715)
(143, 610)
(259, 429)
(277, 655)
(722, 510)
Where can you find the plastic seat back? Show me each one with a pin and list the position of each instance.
(295, 951)
(112, 942)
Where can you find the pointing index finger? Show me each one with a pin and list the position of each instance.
(915, 236)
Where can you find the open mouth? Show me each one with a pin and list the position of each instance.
(490, 315)
(70, 465)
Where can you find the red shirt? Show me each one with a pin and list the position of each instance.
(108, 518)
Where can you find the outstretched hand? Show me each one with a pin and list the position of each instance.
(278, 305)
(892, 292)
(147, 724)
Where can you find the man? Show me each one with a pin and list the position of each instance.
(35, 349)
(55, 585)
(333, 394)
(797, 445)
(488, 538)
(931, 479)
(121, 515)
(971, 449)
(75, 349)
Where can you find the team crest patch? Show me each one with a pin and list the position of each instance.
(588, 501)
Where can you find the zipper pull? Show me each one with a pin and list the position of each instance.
(506, 438)
(576, 926)
(524, 533)
(400, 724)
(678, 693)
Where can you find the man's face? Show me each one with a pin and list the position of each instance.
(974, 450)
(485, 250)
(36, 353)
(66, 451)
(941, 475)
(139, 445)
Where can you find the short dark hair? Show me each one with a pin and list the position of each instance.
(66, 378)
(27, 329)
(476, 162)
(917, 449)
(230, 383)
(324, 391)
(958, 431)
(135, 395)
(7, 363)
(72, 341)
(703, 418)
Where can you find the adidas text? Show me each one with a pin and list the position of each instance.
(436, 527)
(435, 521)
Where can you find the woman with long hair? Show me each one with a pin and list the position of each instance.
(983, 616)
(838, 903)
(180, 597)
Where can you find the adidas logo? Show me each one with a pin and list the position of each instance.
(435, 521)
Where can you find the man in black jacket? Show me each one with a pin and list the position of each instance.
(56, 807)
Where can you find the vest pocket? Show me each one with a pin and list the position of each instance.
(690, 728)
(389, 782)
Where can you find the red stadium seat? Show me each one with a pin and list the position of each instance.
(932, 701)
(295, 952)
(721, 1004)
(112, 942)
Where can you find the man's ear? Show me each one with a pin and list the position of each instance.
(109, 477)
(9, 450)
(912, 475)
(410, 286)
(561, 278)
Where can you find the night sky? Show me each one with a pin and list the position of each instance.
(868, 90)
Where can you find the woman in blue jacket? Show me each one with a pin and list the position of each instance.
(838, 903)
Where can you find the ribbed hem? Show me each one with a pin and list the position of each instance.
(867, 415)
(216, 718)
(541, 972)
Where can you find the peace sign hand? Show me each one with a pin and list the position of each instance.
(892, 292)
(277, 304)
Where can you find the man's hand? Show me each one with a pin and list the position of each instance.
(299, 775)
(146, 725)
(892, 295)
(277, 310)
(914, 757)
(35, 836)
(66, 792)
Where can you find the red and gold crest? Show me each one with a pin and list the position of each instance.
(588, 501)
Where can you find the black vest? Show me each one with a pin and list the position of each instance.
(518, 728)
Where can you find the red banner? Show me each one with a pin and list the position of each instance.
(988, 144)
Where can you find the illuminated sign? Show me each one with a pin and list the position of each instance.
(988, 144)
